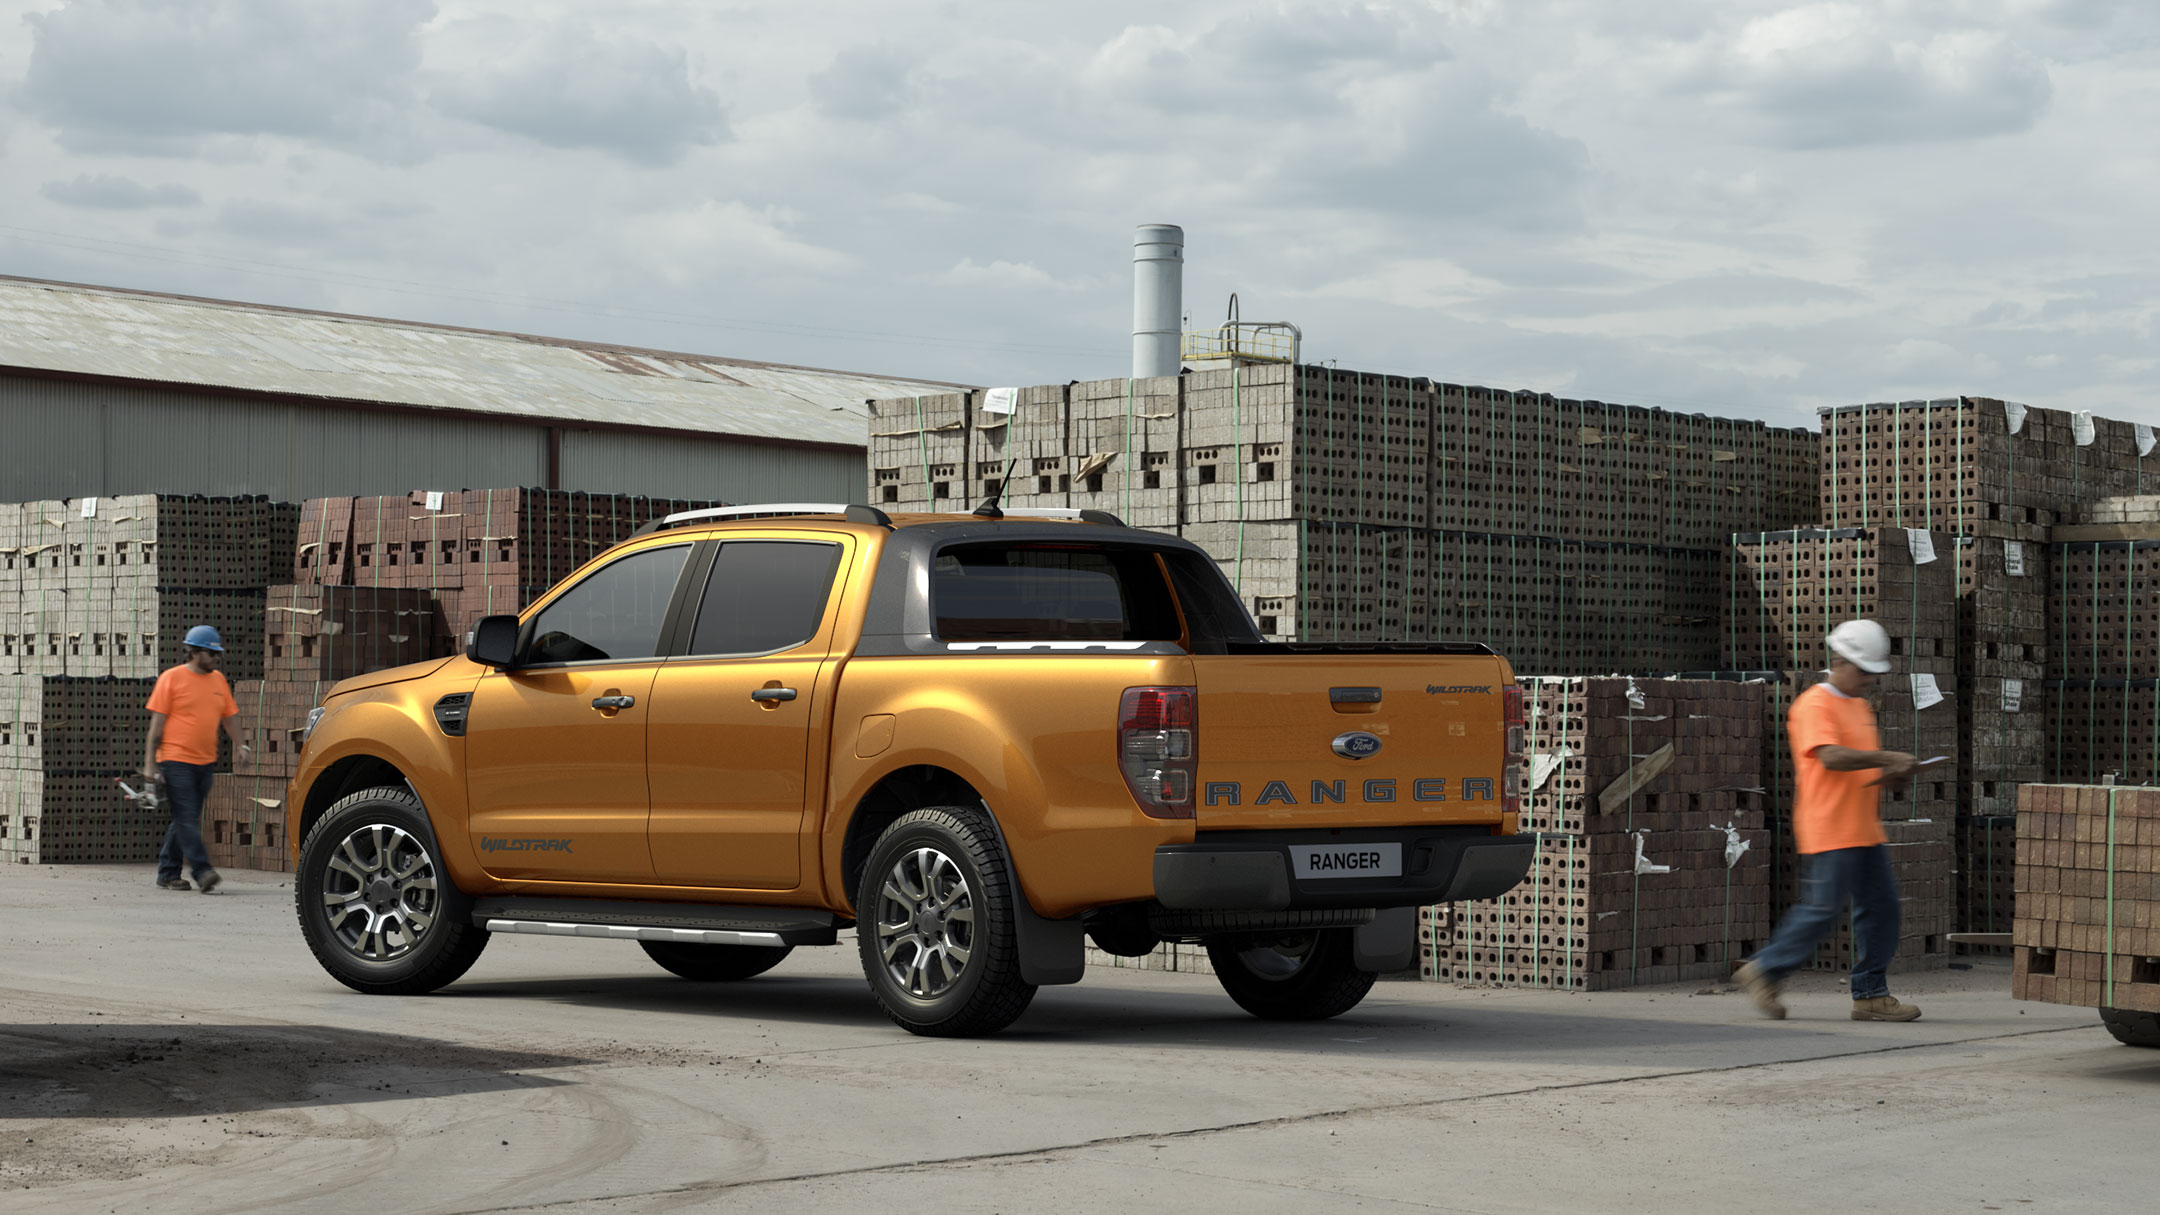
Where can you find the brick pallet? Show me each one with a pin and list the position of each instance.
(2103, 694)
(62, 741)
(1996, 475)
(1986, 876)
(109, 586)
(2088, 896)
(1667, 881)
(1357, 507)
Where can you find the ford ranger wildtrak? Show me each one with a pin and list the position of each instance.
(975, 740)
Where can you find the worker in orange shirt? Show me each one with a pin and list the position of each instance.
(190, 703)
(1840, 769)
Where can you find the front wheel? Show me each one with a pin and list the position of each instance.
(715, 963)
(1291, 976)
(935, 925)
(2132, 1028)
(375, 904)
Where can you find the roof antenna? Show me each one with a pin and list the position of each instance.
(989, 508)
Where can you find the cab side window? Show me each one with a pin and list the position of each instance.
(614, 614)
(764, 596)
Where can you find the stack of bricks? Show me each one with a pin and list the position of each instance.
(63, 740)
(475, 552)
(314, 636)
(2103, 695)
(110, 586)
(1179, 957)
(1644, 873)
(1998, 476)
(2088, 896)
(1344, 506)
(1986, 864)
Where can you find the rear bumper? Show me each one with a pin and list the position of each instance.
(1252, 870)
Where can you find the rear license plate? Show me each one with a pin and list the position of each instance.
(1313, 861)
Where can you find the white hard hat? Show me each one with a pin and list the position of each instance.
(1862, 643)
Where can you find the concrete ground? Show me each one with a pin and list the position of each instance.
(184, 1052)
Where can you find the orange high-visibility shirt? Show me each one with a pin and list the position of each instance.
(1833, 810)
(194, 705)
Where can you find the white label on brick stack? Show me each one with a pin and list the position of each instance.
(2081, 428)
(2144, 438)
(89, 508)
(434, 499)
(1924, 692)
(2014, 558)
(1643, 863)
(1001, 400)
(2016, 415)
(2013, 695)
(1922, 545)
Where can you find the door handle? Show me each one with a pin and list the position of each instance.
(773, 694)
(608, 704)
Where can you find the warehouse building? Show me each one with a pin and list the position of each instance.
(105, 391)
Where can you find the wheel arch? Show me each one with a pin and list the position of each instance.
(900, 791)
(343, 778)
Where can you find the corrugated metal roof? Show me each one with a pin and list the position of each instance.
(106, 331)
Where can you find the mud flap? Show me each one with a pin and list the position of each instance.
(1052, 952)
(1388, 942)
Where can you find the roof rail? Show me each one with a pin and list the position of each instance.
(1065, 512)
(769, 510)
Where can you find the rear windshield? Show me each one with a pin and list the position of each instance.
(1051, 592)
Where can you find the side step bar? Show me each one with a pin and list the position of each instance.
(686, 923)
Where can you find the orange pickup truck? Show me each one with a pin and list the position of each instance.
(976, 740)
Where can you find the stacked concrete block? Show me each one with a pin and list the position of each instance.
(2103, 700)
(63, 741)
(110, 586)
(2087, 930)
(1178, 957)
(1997, 475)
(1653, 861)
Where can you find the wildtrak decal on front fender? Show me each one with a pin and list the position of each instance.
(491, 843)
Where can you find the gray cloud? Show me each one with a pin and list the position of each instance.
(1829, 75)
(140, 76)
(571, 88)
(863, 82)
(105, 192)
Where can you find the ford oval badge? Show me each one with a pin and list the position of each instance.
(1357, 744)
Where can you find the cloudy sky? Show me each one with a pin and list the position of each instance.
(1748, 207)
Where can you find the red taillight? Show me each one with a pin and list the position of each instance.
(1159, 748)
(1511, 781)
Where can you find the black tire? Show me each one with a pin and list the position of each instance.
(715, 963)
(2132, 1028)
(377, 849)
(1291, 976)
(930, 994)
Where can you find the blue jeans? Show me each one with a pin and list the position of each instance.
(1827, 881)
(187, 787)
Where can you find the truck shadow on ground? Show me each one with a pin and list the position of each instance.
(1202, 1017)
(170, 1070)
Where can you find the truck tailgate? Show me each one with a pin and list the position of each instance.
(1350, 739)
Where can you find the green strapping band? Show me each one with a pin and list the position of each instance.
(2109, 998)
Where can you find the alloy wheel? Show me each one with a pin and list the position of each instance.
(925, 922)
(379, 893)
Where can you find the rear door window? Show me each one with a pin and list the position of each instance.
(1051, 592)
(764, 596)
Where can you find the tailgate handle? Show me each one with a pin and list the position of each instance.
(1353, 696)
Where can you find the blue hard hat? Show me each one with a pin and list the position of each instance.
(203, 637)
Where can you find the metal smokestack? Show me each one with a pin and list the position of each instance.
(1158, 300)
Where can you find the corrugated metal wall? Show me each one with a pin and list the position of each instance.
(67, 439)
(668, 467)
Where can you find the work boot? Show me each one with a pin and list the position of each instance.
(206, 881)
(1884, 1008)
(173, 884)
(1762, 989)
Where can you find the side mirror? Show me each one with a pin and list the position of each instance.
(494, 642)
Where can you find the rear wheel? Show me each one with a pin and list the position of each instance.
(715, 963)
(1291, 976)
(375, 904)
(2132, 1028)
(935, 925)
